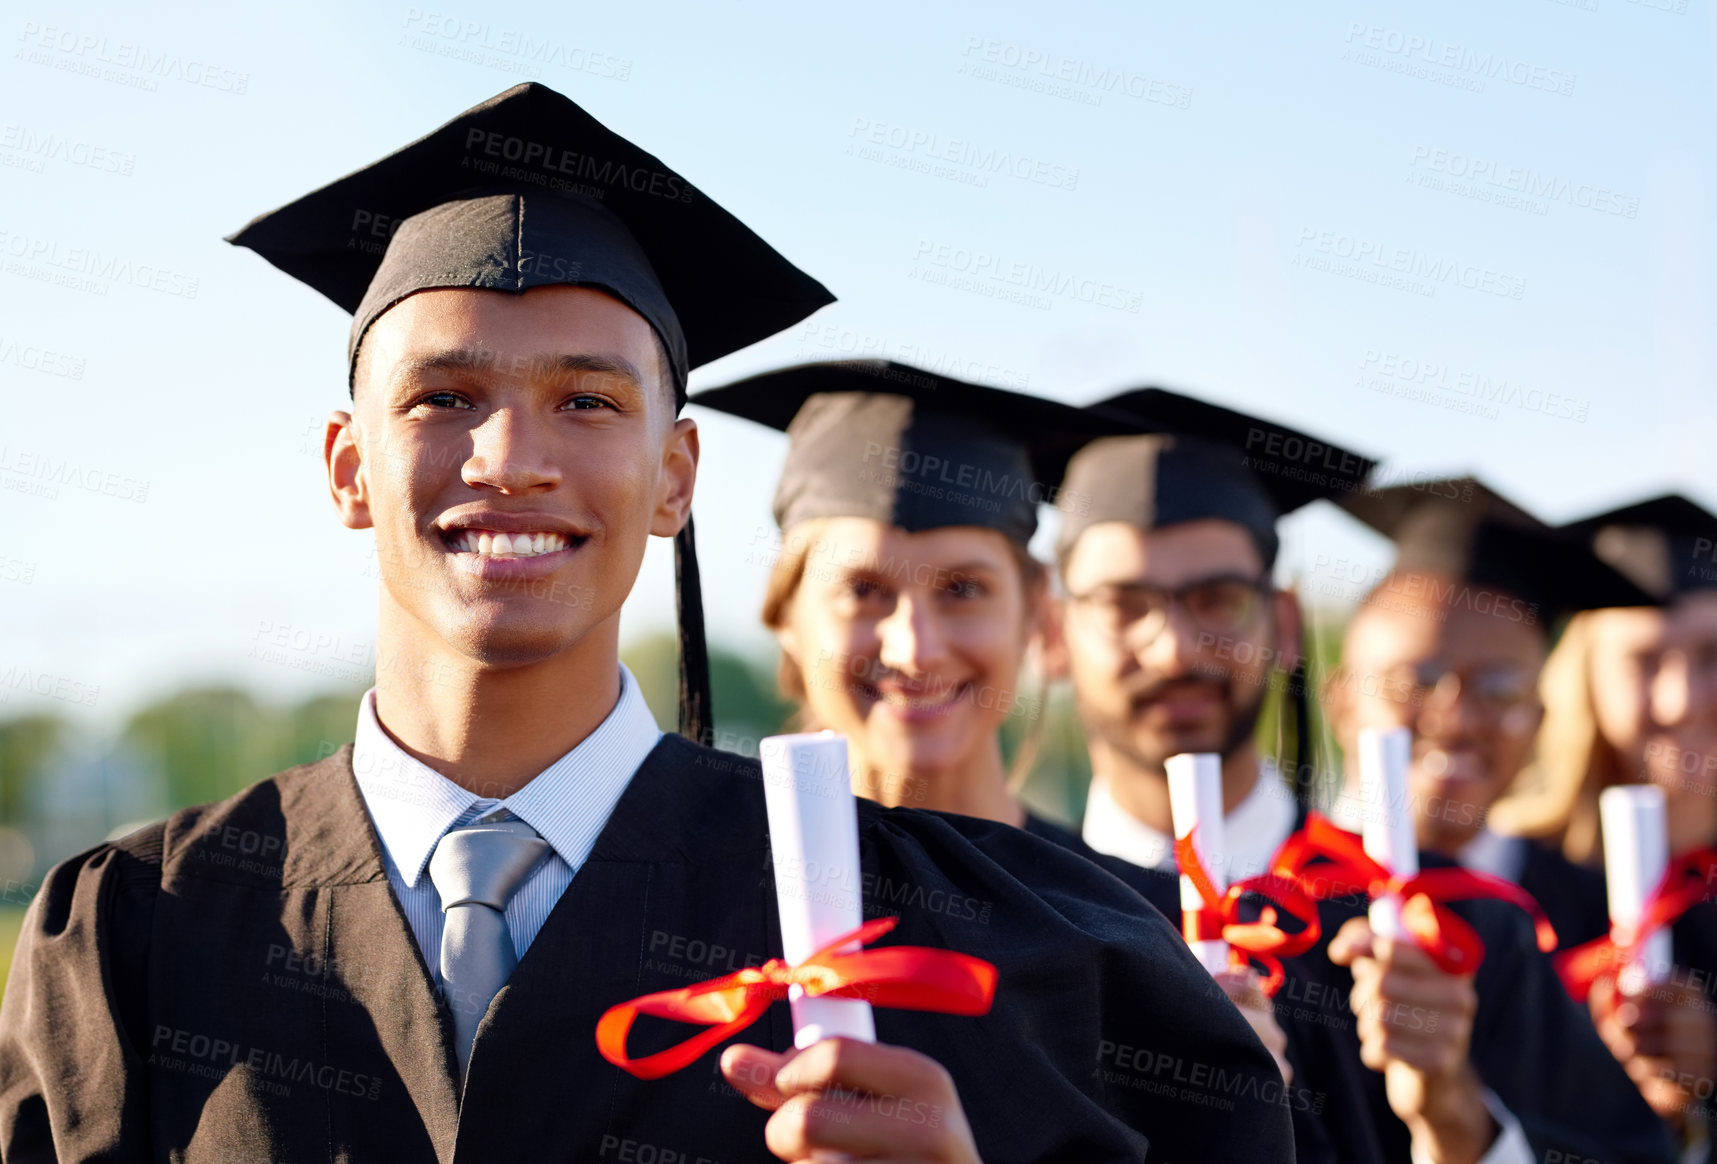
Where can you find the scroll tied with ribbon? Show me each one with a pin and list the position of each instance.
(1347, 870)
(1687, 882)
(901, 977)
(1262, 940)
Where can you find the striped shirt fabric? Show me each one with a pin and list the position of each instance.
(568, 803)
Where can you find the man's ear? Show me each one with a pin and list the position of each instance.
(1335, 695)
(679, 477)
(342, 454)
(1053, 658)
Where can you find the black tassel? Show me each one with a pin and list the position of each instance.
(696, 719)
(1304, 773)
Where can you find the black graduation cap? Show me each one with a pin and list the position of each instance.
(528, 190)
(1666, 545)
(910, 447)
(1210, 462)
(1461, 530)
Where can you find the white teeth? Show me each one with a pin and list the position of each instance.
(920, 702)
(517, 545)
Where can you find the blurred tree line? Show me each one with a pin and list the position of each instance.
(61, 792)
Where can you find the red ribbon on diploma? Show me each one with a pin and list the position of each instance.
(902, 977)
(1685, 884)
(1219, 919)
(1453, 944)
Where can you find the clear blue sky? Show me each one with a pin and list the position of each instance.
(1243, 189)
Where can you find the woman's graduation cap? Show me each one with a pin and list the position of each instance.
(528, 190)
(1667, 546)
(1461, 530)
(909, 447)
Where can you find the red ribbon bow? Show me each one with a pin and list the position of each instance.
(903, 977)
(1262, 940)
(1685, 884)
(1453, 944)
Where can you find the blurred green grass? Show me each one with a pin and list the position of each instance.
(11, 921)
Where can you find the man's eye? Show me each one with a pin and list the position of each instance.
(586, 403)
(443, 400)
(864, 589)
(966, 588)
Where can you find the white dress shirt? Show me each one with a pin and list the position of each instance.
(412, 805)
(1493, 853)
(1252, 833)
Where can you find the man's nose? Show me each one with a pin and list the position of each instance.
(510, 452)
(1174, 648)
(1449, 708)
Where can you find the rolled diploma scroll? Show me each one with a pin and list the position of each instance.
(813, 833)
(1636, 853)
(1195, 801)
(1390, 838)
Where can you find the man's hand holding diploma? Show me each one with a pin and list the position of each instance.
(842, 1099)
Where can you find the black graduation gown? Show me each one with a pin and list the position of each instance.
(1531, 1044)
(1309, 1097)
(1575, 900)
(238, 983)
(1571, 896)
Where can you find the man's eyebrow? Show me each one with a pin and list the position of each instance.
(559, 367)
(556, 368)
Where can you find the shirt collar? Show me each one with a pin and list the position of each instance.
(567, 803)
(1493, 853)
(1251, 833)
(1488, 852)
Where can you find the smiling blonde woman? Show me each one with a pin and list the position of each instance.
(904, 597)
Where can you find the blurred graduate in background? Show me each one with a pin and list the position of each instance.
(1630, 697)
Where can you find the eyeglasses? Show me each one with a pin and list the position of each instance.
(1134, 613)
(1493, 689)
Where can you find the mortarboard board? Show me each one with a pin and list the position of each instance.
(1461, 530)
(528, 190)
(1667, 545)
(909, 447)
(1208, 462)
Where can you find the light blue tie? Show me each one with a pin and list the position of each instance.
(476, 869)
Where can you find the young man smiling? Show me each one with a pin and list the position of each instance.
(1171, 630)
(402, 952)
